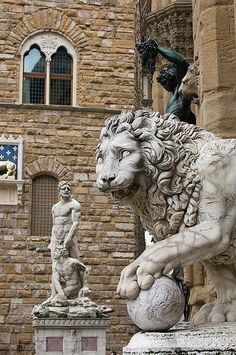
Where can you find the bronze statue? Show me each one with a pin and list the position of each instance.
(170, 77)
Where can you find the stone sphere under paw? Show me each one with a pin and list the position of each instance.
(158, 308)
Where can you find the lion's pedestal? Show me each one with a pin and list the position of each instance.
(207, 340)
(70, 336)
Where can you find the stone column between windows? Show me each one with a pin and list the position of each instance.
(47, 80)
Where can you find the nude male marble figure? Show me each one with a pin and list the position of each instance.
(66, 218)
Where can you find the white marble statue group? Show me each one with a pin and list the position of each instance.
(69, 287)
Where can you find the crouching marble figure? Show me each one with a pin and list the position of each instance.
(181, 181)
(69, 287)
(68, 278)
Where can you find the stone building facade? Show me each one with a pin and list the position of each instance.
(214, 43)
(59, 142)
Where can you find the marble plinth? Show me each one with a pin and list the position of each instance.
(70, 336)
(208, 340)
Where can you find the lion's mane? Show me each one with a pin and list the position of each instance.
(170, 148)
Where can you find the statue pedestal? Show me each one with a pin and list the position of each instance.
(208, 340)
(70, 336)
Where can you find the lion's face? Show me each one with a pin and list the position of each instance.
(119, 160)
(143, 160)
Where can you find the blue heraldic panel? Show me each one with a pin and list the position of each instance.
(9, 152)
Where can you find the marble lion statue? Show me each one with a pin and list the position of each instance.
(8, 168)
(181, 181)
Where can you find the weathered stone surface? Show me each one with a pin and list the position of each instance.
(212, 340)
(218, 112)
(214, 42)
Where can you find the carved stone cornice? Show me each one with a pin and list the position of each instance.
(178, 6)
(75, 323)
(172, 27)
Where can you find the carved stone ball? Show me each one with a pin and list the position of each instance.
(159, 308)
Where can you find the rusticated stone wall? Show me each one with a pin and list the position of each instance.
(102, 33)
(62, 141)
(214, 44)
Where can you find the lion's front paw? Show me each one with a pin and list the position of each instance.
(128, 289)
(135, 278)
(202, 316)
(145, 276)
(223, 312)
(218, 313)
(128, 286)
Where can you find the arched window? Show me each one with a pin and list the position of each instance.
(61, 78)
(48, 71)
(34, 77)
(44, 196)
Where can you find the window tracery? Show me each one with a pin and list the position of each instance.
(48, 70)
